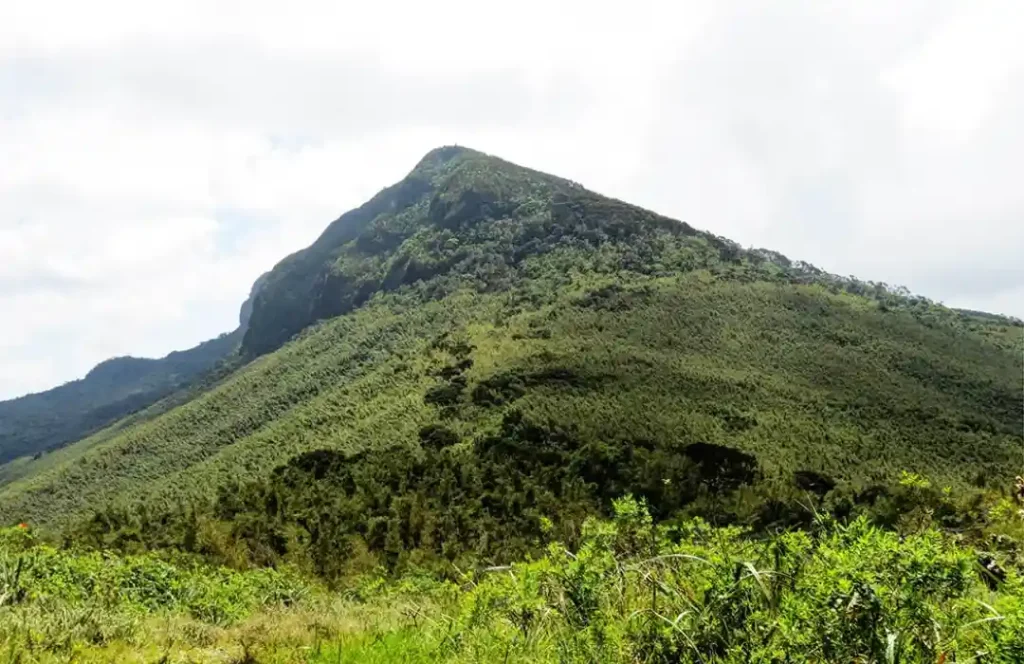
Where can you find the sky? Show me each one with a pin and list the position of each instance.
(156, 158)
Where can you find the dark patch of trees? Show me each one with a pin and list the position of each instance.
(817, 483)
(722, 468)
(488, 500)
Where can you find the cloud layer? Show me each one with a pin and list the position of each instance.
(154, 164)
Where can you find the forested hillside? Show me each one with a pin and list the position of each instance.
(485, 300)
(483, 365)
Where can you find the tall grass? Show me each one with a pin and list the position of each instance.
(631, 592)
(634, 592)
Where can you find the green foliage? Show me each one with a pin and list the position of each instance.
(697, 359)
(450, 504)
(36, 573)
(633, 592)
(56, 601)
(629, 591)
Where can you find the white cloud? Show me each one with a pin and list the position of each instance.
(157, 158)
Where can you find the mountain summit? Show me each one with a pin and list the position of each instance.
(460, 214)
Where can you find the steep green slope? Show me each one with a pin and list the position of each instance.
(476, 291)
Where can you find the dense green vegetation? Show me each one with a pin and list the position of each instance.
(467, 370)
(633, 592)
(668, 360)
(628, 591)
(55, 603)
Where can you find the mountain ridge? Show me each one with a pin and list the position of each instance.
(41, 422)
(450, 182)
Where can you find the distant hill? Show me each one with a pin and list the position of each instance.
(43, 422)
(514, 317)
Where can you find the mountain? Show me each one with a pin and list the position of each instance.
(481, 345)
(35, 424)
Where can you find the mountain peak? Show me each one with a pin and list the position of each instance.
(447, 153)
(440, 157)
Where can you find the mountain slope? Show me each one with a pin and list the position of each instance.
(479, 298)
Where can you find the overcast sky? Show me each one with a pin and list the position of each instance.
(153, 162)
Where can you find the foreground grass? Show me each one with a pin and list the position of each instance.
(632, 592)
